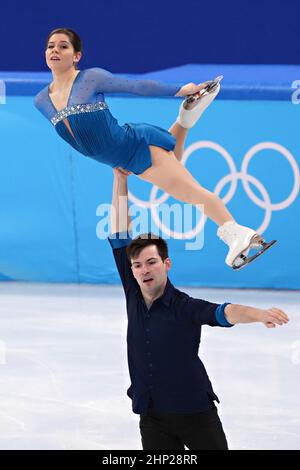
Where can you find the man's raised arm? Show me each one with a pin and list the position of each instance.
(120, 219)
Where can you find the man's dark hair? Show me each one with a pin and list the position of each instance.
(146, 239)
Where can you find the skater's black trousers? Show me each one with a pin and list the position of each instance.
(196, 431)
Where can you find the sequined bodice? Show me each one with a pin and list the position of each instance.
(77, 109)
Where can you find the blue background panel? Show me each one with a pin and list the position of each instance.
(136, 37)
(50, 194)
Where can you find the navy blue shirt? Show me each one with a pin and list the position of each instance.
(162, 345)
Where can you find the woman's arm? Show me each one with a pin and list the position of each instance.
(106, 82)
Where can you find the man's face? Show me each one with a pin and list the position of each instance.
(150, 270)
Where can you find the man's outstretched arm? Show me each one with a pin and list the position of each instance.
(271, 317)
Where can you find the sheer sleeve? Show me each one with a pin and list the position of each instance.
(43, 104)
(106, 82)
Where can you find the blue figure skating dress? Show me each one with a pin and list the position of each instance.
(96, 133)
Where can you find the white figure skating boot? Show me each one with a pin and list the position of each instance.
(241, 240)
(194, 105)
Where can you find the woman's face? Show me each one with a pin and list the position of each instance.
(60, 54)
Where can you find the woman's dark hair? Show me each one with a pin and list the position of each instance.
(146, 239)
(72, 35)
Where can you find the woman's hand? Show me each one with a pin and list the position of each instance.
(190, 89)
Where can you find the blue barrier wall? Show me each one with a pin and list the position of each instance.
(50, 194)
(139, 36)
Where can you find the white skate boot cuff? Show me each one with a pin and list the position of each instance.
(188, 118)
(231, 232)
(228, 232)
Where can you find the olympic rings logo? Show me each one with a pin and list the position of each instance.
(233, 177)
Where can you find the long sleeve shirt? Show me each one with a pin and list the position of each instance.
(163, 342)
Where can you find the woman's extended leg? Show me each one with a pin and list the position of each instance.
(170, 175)
(187, 118)
(180, 134)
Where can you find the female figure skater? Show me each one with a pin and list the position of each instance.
(74, 103)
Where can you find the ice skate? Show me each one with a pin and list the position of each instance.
(241, 240)
(194, 105)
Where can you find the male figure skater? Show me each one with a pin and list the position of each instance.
(170, 388)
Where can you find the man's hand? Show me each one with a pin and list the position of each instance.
(121, 173)
(274, 316)
(190, 89)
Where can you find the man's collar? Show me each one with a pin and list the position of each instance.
(165, 298)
